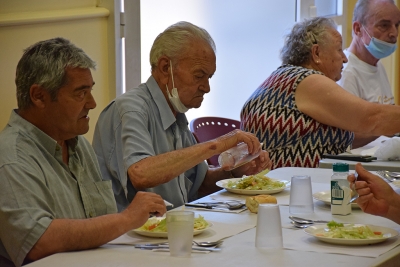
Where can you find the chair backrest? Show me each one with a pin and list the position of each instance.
(208, 128)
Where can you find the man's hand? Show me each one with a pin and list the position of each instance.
(144, 204)
(375, 195)
(255, 166)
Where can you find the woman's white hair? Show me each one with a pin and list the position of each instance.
(297, 48)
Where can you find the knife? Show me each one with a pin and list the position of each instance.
(204, 206)
(166, 246)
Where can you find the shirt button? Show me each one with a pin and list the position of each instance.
(57, 148)
(90, 214)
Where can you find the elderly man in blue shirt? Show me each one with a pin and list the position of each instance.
(142, 139)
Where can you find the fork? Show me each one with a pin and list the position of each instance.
(354, 190)
(385, 175)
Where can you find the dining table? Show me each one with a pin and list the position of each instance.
(369, 149)
(238, 230)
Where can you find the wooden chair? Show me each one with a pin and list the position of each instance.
(208, 128)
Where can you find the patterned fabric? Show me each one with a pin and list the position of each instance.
(292, 138)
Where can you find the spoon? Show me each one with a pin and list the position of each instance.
(299, 225)
(208, 243)
(305, 221)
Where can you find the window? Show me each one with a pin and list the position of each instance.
(248, 36)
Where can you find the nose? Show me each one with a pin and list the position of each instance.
(345, 60)
(90, 102)
(205, 87)
(393, 34)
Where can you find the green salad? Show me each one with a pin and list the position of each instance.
(351, 231)
(154, 224)
(256, 182)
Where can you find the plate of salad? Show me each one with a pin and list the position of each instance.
(254, 184)
(157, 227)
(350, 234)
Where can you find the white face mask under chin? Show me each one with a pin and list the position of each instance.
(174, 96)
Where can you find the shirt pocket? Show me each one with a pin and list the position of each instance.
(98, 198)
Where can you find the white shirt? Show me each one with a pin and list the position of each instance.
(366, 81)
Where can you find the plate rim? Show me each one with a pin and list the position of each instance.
(251, 192)
(351, 242)
(353, 204)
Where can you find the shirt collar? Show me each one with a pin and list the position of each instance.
(30, 130)
(167, 117)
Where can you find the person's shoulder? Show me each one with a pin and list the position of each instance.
(14, 145)
(133, 99)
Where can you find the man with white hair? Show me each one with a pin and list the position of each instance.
(142, 139)
(375, 32)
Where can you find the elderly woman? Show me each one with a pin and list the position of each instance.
(300, 113)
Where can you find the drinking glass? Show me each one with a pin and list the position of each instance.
(269, 227)
(180, 226)
(301, 200)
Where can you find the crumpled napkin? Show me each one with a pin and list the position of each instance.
(389, 150)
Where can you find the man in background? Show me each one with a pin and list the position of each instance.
(52, 196)
(375, 32)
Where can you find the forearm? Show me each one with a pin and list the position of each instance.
(159, 169)
(78, 234)
(394, 209)
(362, 140)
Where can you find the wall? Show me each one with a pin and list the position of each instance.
(81, 21)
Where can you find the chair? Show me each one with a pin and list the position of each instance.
(208, 128)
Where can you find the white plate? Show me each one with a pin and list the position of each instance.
(224, 184)
(165, 234)
(325, 196)
(387, 233)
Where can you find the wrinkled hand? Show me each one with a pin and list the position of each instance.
(255, 166)
(375, 195)
(237, 136)
(142, 205)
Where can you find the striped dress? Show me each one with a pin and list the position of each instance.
(292, 138)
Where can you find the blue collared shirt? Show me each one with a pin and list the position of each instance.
(137, 125)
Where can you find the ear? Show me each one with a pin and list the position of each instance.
(163, 68)
(357, 28)
(38, 95)
(315, 53)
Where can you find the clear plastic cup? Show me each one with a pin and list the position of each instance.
(301, 200)
(236, 156)
(269, 227)
(180, 232)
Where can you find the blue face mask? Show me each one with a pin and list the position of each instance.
(378, 48)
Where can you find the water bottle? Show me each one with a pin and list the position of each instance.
(340, 189)
(236, 156)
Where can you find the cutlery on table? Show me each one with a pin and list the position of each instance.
(167, 247)
(305, 221)
(299, 225)
(232, 205)
(385, 175)
(213, 205)
(208, 243)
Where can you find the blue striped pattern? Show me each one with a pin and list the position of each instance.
(292, 138)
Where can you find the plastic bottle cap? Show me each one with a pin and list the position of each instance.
(340, 167)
